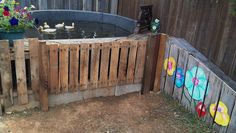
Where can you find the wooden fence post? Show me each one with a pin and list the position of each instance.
(151, 62)
(160, 62)
(6, 74)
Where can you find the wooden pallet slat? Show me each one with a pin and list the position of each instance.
(74, 68)
(140, 61)
(20, 72)
(53, 69)
(114, 63)
(84, 65)
(6, 73)
(131, 61)
(95, 54)
(105, 53)
(34, 66)
(63, 67)
(122, 72)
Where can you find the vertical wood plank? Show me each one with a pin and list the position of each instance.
(140, 61)
(105, 53)
(74, 68)
(131, 61)
(94, 69)
(114, 6)
(232, 124)
(150, 65)
(228, 97)
(53, 69)
(169, 83)
(20, 72)
(87, 5)
(34, 65)
(122, 72)
(182, 63)
(160, 62)
(84, 65)
(63, 67)
(6, 73)
(114, 63)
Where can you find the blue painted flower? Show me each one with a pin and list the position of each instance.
(195, 82)
(13, 21)
(178, 76)
(6, 8)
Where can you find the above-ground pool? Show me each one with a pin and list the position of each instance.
(87, 24)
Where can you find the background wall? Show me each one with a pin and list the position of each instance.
(206, 24)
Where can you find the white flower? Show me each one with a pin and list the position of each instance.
(154, 27)
(156, 21)
(25, 8)
(32, 6)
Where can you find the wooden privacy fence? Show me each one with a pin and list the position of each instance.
(34, 70)
(199, 85)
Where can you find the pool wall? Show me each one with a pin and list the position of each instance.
(77, 15)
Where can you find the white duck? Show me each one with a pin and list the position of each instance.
(60, 26)
(70, 27)
(46, 26)
(47, 30)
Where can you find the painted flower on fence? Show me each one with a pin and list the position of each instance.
(170, 65)
(195, 82)
(221, 117)
(201, 109)
(178, 76)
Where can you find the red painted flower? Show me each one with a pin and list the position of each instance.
(201, 109)
(6, 13)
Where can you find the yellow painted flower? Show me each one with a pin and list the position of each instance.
(170, 65)
(222, 118)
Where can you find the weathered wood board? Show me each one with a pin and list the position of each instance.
(20, 72)
(140, 61)
(105, 53)
(123, 62)
(131, 61)
(84, 65)
(63, 67)
(94, 70)
(114, 63)
(74, 68)
(34, 66)
(6, 73)
(53, 69)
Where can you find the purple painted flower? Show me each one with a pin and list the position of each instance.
(6, 8)
(13, 21)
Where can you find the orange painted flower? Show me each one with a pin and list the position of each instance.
(221, 113)
(170, 65)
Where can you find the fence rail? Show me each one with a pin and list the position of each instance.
(199, 85)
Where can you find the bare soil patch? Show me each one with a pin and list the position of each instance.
(133, 113)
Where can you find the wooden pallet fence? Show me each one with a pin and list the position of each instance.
(16, 58)
(94, 65)
(201, 87)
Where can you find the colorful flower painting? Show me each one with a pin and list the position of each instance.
(170, 65)
(178, 76)
(195, 82)
(201, 109)
(221, 117)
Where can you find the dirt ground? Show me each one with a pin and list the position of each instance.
(133, 113)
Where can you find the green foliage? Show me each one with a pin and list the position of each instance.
(233, 8)
(10, 9)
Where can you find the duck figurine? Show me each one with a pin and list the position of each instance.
(46, 26)
(48, 31)
(60, 26)
(70, 27)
